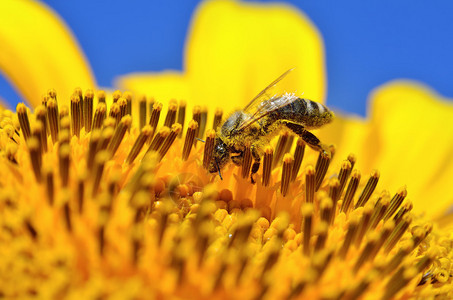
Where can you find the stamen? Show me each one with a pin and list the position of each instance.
(44, 99)
(368, 190)
(109, 122)
(159, 139)
(54, 119)
(332, 151)
(203, 121)
(10, 131)
(267, 165)
(288, 161)
(22, 115)
(326, 206)
(106, 137)
(321, 260)
(322, 164)
(298, 157)
(155, 114)
(78, 93)
(65, 125)
(279, 149)
(99, 115)
(128, 96)
(400, 229)
(196, 116)
(396, 202)
(334, 194)
(405, 208)
(181, 115)
(400, 279)
(321, 230)
(309, 276)
(350, 236)
(41, 117)
(171, 114)
(384, 235)
(64, 112)
(64, 152)
(419, 234)
(208, 148)
(120, 131)
(343, 176)
(350, 191)
(115, 112)
(52, 93)
(307, 214)
(37, 132)
(101, 158)
(380, 209)
(76, 116)
(101, 97)
(175, 129)
(11, 151)
(101, 232)
(35, 157)
(92, 146)
(247, 161)
(80, 195)
(310, 184)
(88, 109)
(116, 96)
(146, 132)
(373, 239)
(188, 142)
(217, 118)
(50, 185)
(67, 209)
(142, 111)
(122, 102)
(405, 249)
(114, 182)
(31, 229)
(352, 159)
(151, 105)
(364, 223)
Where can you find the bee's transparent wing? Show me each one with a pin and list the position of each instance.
(264, 94)
(265, 102)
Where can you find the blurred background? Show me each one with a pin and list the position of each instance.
(367, 43)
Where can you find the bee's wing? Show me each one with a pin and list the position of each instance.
(264, 103)
(264, 94)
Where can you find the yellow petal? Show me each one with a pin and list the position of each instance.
(39, 53)
(236, 49)
(412, 136)
(409, 139)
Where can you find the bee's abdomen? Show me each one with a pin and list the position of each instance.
(304, 111)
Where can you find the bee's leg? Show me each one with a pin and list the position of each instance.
(307, 136)
(238, 159)
(256, 164)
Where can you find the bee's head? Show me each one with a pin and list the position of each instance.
(220, 156)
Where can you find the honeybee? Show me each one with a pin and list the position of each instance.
(261, 120)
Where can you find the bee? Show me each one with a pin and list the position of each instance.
(261, 120)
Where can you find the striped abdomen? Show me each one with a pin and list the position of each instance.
(308, 113)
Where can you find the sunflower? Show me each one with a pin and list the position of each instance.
(104, 197)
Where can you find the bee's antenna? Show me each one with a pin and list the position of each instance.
(200, 140)
(218, 168)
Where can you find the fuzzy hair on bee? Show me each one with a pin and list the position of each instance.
(261, 120)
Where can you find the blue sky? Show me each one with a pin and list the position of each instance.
(367, 43)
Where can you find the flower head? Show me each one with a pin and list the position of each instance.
(103, 196)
